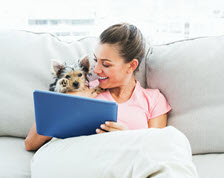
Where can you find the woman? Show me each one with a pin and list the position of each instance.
(117, 56)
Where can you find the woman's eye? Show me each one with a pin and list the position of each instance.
(105, 65)
(67, 76)
(102, 63)
(80, 75)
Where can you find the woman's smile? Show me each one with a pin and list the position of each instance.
(102, 79)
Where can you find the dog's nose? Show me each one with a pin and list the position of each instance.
(76, 84)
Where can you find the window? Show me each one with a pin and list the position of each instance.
(161, 21)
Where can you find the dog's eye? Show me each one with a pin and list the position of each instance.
(67, 76)
(80, 75)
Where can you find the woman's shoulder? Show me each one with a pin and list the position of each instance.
(152, 92)
(149, 92)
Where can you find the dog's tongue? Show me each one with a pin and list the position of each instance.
(93, 83)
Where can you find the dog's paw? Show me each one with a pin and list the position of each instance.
(99, 90)
(62, 85)
(63, 82)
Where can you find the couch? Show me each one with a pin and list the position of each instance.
(188, 72)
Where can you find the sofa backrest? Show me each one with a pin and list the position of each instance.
(190, 74)
(25, 59)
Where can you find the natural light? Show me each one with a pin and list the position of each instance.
(161, 21)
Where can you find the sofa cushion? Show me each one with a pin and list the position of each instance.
(209, 165)
(25, 62)
(15, 160)
(25, 66)
(190, 74)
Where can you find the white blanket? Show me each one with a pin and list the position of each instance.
(156, 153)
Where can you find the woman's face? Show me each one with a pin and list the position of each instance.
(110, 66)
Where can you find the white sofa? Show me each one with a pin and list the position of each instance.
(189, 73)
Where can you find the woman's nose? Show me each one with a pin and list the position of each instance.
(97, 69)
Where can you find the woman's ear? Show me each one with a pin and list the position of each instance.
(133, 65)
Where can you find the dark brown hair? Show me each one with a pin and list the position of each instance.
(130, 41)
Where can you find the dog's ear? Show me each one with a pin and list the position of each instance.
(84, 64)
(56, 67)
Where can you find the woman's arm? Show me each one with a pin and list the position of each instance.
(33, 140)
(158, 122)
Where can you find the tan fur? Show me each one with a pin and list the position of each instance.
(66, 83)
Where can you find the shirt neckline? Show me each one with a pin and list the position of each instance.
(130, 99)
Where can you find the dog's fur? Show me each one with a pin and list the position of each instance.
(71, 78)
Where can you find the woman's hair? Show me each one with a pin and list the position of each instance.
(128, 38)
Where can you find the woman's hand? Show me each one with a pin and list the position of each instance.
(111, 126)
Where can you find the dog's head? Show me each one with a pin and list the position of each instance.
(75, 75)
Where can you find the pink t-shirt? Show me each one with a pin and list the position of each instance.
(143, 105)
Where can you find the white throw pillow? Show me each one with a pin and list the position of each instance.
(137, 153)
(190, 75)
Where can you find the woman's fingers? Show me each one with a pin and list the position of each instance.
(107, 128)
(98, 131)
(115, 125)
(111, 126)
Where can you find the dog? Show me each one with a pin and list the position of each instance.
(73, 78)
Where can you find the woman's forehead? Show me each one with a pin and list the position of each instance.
(107, 51)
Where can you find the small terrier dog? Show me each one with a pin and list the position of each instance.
(72, 78)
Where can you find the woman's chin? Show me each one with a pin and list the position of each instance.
(102, 86)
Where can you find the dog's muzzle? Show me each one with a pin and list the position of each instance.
(76, 84)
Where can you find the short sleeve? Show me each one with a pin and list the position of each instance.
(160, 106)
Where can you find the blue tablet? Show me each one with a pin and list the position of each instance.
(63, 115)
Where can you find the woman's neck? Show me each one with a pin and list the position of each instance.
(123, 93)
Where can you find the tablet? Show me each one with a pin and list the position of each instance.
(63, 115)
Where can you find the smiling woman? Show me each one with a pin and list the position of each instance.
(121, 42)
(138, 108)
(117, 57)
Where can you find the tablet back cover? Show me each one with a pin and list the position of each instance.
(62, 115)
